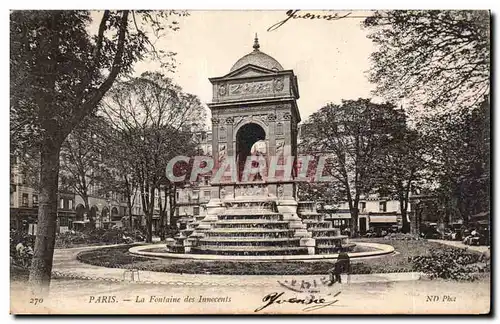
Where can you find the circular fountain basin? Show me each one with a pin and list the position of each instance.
(379, 250)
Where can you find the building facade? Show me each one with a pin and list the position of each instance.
(108, 211)
(375, 214)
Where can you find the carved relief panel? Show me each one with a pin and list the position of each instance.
(280, 147)
(276, 86)
(222, 134)
(222, 152)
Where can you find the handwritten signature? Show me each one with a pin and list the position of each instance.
(294, 14)
(311, 302)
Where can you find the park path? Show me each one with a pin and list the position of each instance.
(66, 265)
(458, 244)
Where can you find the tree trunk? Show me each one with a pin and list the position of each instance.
(41, 264)
(149, 227)
(163, 211)
(354, 221)
(130, 217)
(172, 204)
(149, 216)
(404, 215)
(353, 209)
(87, 210)
(128, 192)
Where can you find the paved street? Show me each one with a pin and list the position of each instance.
(181, 293)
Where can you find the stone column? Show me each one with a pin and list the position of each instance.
(214, 206)
(230, 145)
(271, 118)
(287, 204)
(287, 151)
(229, 137)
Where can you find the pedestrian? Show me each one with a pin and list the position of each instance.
(20, 249)
(343, 265)
(28, 254)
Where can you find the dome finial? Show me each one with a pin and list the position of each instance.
(256, 45)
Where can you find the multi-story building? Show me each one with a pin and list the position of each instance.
(375, 213)
(192, 198)
(107, 211)
(24, 202)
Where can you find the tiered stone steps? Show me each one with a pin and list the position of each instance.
(327, 238)
(252, 231)
(259, 230)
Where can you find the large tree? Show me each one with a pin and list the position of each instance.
(120, 176)
(432, 58)
(460, 161)
(399, 168)
(351, 134)
(154, 120)
(59, 73)
(83, 168)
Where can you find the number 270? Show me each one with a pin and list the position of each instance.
(36, 301)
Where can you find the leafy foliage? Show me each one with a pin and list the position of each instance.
(59, 72)
(460, 160)
(83, 168)
(400, 166)
(97, 237)
(433, 58)
(449, 263)
(352, 135)
(153, 121)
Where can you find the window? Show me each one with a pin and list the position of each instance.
(177, 211)
(177, 195)
(70, 204)
(362, 206)
(63, 221)
(196, 211)
(25, 200)
(35, 200)
(383, 206)
(207, 194)
(61, 203)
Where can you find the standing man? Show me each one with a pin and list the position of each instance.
(343, 265)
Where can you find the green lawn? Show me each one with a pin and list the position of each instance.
(399, 261)
(119, 257)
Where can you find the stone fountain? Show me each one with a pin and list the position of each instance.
(255, 113)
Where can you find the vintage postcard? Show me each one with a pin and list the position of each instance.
(250, 162)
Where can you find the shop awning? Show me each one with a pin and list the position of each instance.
(338, 216)
(384, 219)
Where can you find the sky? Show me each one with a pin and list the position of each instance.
(330, 58)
